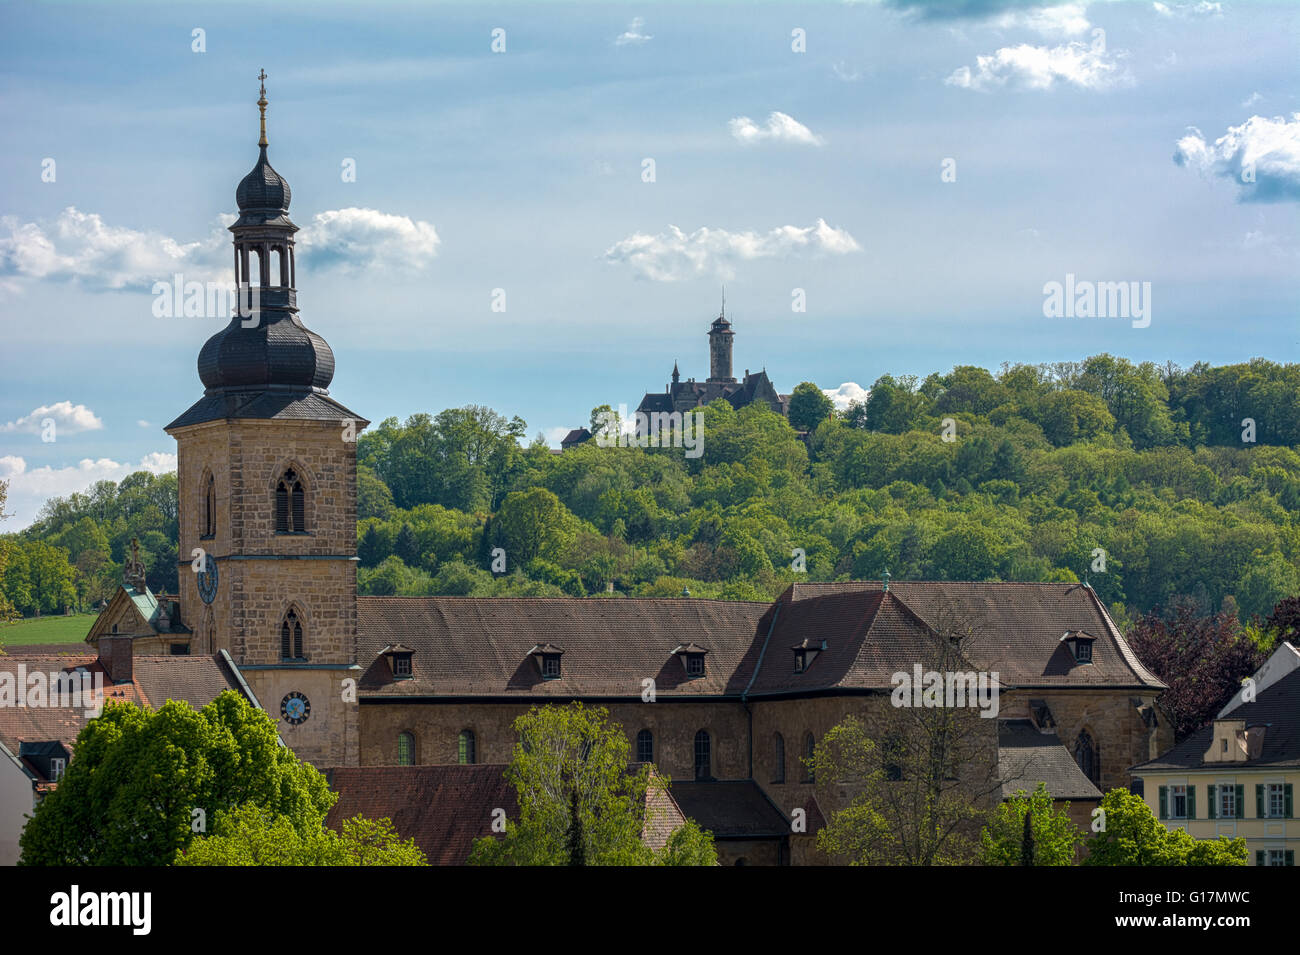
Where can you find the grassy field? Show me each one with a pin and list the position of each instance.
(47, 630)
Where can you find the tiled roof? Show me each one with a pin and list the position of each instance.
(869, 636)
(276, 405)
(731, 809)
(446, 808)
(1018, 628)
(1277, 708)
(1027, 756)
(468, 646)
(197, 680)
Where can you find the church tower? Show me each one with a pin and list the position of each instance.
(267, 475)
(720, 336)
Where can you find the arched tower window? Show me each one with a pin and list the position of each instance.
(703, 755)
(645, 747)
(1085, 754)
(291, 637)
(467, 754)
(290, 504)
(405, 749)
(778, 758)
(209, 507)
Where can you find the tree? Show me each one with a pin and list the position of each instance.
(137, 776)
(533, 524)
(577, 798)
(1132, 835)
(406, 546)
(809, 407)
(252, 835)
(1028, 830)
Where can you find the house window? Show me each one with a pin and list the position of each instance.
(551, 666)
(290, 504)
(799, 664)
(1177, 802)
(695, 664)
(809, 747)
(1276, 800)
(291, 637)
(645, 747)
(1280, 857)
(778, 758)
(1083, 652)
(401, 664)
(405, 749)
(1227, 802)
(210, 507)
(179, 649)
(57, 765)
(703, 756)
(466, 751)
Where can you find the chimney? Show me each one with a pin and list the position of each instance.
(115, 657)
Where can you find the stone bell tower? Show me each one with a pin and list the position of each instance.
(720, 337)
(267, 476)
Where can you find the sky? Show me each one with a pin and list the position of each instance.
(536, 207)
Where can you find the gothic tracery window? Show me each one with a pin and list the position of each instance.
(1085, 754)
(291, 637)
(290, 504)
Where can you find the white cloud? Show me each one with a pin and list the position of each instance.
(30, 488)
(1266, 151)
(1041, 68)
(846, 394)
(675, 255)
(553, 436)
(67, 417)
(143, 424)
(80, 247)
(845, 72)
(1065, 20)
(780, 128)
(633, 34)
(1252, 100)
(1204, 8)
(365, 239)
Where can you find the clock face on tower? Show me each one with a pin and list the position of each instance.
(295, 708)
(207, 579)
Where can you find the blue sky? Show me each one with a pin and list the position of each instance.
(1113, 156)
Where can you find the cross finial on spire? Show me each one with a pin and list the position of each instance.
(261, 104)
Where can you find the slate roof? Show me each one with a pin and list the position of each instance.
(1018, 628)
(1027, 756)
(155, 679)
(445, 808)
(479, 646)
(273, 405)
(1277, 708)
(731, 809)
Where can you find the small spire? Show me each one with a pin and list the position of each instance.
(885, 580)
(261, 105)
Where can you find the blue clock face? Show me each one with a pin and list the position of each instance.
(295, 708)
(207, 579)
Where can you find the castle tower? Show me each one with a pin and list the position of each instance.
(720, 336)
(267, 471)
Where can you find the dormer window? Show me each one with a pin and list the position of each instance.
(692, 657)
(57, 766)
(399, 660)
(1079, 643)
(547, 656)
(806, 652)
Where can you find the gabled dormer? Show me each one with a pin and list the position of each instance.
(547, 656)
(805, 652)
(1079, 643)
(692, 657)
(399, 661)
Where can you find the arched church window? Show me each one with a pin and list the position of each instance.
(466, 752)
(209, 507)
(703, 755)
(291, 637)
(405, 749)
(290, 504)
(1085, 754)
(778, 758)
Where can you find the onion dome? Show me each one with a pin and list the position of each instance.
(280, 352)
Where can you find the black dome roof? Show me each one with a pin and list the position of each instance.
(280, 352)
(263, 189)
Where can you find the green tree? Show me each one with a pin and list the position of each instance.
(532, 524)
(577, 797)
(253, 835)
(129, 794)
(1053, 837)
(809, 407)
(1132, 835)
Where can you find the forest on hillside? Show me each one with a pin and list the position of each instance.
(1185, 482)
